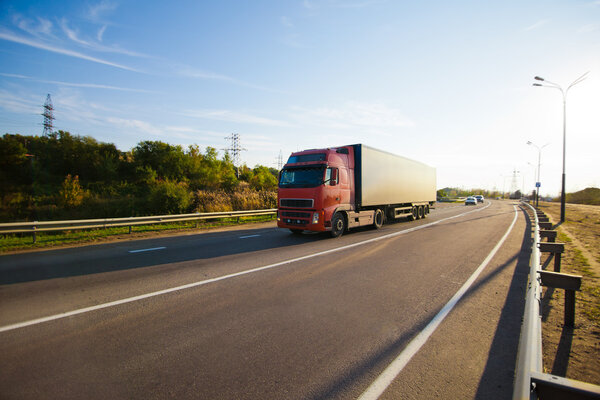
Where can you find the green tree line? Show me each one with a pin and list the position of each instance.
(65, 176)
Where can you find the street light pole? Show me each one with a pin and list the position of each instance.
(537, 188)
(564, 95)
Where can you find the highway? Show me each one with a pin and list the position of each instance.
(422, 309)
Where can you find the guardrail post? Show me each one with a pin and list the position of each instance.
(571, 284)
(130, 228)
(34, 235)
(569, 307)
(549, 234)
(545, 225)
(556, 249)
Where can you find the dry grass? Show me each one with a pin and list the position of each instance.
(575, 353)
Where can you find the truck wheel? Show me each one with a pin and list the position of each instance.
(426, 211)
(296, 231)
(378, 219)
(421, 212)
(338, 225)
(414, 214)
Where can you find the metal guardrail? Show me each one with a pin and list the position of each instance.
(50, 226)
(530, 380)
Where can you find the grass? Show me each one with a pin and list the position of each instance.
(580, 233)
(576, 262)
(54, 239)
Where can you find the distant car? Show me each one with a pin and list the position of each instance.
(471, 201)
(479, 198)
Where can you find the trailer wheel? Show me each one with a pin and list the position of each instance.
(338, 225)
(421, 212)
(426, 211)
(378, 219)
(414, 214)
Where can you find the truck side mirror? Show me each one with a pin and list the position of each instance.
(334, 177)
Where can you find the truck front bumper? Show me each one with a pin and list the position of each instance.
(301, 219)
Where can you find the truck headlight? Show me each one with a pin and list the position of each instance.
(315, 219)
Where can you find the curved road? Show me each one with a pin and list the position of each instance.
(258, 313)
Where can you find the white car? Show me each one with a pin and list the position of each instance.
(479, 198)
(471, 201)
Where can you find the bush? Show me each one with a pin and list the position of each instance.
(241, 199)
(167, 197)
(212, 201)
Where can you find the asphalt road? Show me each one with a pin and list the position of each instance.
(259, 313)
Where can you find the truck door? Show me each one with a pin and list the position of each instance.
(332, 189)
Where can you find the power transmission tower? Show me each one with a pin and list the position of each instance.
(48, 116)
(514, 185)
(235, 151)
(279, 161)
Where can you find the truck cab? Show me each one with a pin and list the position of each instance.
(313, 186)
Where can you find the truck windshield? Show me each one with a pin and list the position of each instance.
(301, 177)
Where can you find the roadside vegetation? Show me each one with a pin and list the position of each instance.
(64, 176)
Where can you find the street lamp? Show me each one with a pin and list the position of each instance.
(537, 183)
(564, 95)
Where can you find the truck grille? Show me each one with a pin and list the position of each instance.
(296, 203)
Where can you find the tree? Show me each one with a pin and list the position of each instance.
(263, 179)
(168, 161)
(71, 194)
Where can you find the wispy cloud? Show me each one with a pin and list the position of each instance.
(316, 4)
(196, 73)
(135, 124)
(17, 103)
(287, 22)
(40, 28)
(79, 85)
(589, 28)
(234, 116)
(537, 25)
(100, 33)
(95, 12)
(74, 36)
(353, 115)
(11, 37)
(191, 72)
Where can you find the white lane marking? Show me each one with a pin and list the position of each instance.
(249, 236)
(384, 380)
(143, 250)
(221, 278)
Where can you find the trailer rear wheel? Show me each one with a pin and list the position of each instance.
(426, 211)
(421, 212)
(378, 219)
(338, 225)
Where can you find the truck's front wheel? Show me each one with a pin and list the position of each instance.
(338, 225)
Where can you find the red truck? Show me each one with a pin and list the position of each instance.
(341, 188)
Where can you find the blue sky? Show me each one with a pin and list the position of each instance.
(446, 83)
